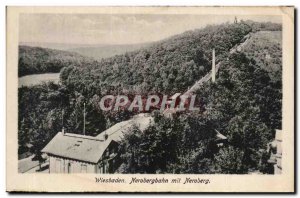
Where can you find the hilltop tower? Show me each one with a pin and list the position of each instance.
(235, 20)
(213, 69)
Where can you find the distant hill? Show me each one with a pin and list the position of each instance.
(36, 60)
(105, 51)
(51, 57)
(57, 46)
(96, 51)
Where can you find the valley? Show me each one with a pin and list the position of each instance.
(243, 104)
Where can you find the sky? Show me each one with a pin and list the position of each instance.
(95, 29)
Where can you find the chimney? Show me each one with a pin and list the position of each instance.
(105, 136)
(62, 122)
(213, 69)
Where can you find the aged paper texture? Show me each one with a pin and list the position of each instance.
(150, 99)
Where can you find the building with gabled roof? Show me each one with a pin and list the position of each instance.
(78, 147)
(74, 153)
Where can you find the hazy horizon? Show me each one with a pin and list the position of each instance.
(105, 29)
(75, 45)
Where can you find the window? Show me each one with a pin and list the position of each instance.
(83, 168)
(69, 167)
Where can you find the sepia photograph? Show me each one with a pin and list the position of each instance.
(158, 93)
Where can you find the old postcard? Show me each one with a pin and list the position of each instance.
(150, 99)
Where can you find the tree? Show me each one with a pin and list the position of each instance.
(229, 160)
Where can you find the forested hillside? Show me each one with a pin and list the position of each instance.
(168, 66)
(37, 60)
(244, 104)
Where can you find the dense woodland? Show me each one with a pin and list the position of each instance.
(244, 104)
(37, 60)
(166, 67)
